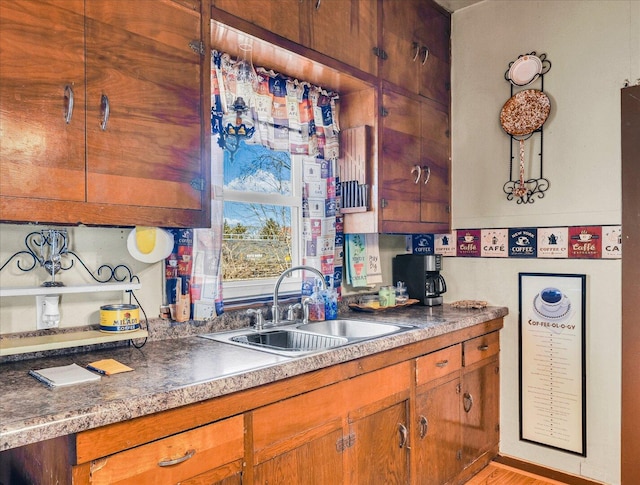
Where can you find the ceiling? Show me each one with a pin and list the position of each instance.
(453, 5)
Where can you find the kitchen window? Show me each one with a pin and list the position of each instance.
(262, 221)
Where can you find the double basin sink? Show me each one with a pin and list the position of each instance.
(303, 339)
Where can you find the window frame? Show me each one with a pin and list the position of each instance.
(237, 291)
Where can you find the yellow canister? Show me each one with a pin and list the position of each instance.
(119, 318)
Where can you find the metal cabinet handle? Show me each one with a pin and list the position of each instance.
(104, 112)
(68, 103)
(467, 402)
(424, 426)
(404, 436)
(426, 54)
(418, 170)
(177, 461)
(416, 51)
(318, 4)
(442, 363)
(427, 170)
(482, 348)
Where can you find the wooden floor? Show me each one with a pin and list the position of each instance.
(499, 474)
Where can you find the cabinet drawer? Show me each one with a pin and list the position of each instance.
(479, 348)
(175, 458)
(438, 364)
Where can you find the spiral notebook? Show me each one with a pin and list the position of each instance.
(65, 375)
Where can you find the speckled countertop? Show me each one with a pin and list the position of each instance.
(178, 371)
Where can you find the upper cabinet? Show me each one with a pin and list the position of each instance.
(415, 48)
(414, 165)
(345, 30)
(105, 112)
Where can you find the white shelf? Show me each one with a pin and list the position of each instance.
(64, 341)
(61, 290)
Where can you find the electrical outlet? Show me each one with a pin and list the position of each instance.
(47, 311)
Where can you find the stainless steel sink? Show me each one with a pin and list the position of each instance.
(351, 329)
(296, 341)
(289, 342)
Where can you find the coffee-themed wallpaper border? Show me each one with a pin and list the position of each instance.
(564, 242)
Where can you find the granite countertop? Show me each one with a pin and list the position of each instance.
(175, 372)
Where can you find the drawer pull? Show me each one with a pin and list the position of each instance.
(424, 426)
(442, 363)
(177, 461)
(483, 347)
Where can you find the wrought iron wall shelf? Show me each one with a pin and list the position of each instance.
(534, 188)
(48, 249)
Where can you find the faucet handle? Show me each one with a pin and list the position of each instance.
(305, 310)
(291, 311)
(259, 318)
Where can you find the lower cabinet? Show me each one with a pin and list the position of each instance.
(355, 431)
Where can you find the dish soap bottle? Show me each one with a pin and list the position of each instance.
(316, 304)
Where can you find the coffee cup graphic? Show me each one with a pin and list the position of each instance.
(468, 238)
(551, 297)
(522, 241)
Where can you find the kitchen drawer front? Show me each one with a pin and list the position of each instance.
(175, 458)
(438, 364)
(480, 348)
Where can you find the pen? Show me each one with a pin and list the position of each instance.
(99, 371)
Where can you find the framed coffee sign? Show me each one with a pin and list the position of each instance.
(552, 360)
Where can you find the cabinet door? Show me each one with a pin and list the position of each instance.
(401, 44)
(380, 453)
(346, 30)
(480, 408)
(415, 38)
(283, 17)
(435, 148)
(438, 433)
(41, 70)
(143, 73)
(314, 462)
(433, 34)
(400, 186)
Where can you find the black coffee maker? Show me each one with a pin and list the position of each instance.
(421, 274)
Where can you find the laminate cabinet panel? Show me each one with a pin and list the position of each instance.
(41, 54)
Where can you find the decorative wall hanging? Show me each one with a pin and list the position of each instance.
(552, 370)
(523, 116)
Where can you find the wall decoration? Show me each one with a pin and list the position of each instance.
(494, 243)
(552, 371)
(523, 242)
(568, 242)
(553, 242)
(522, 117)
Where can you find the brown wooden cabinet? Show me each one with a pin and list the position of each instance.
(480, 397)
(414, 165)
(415, 41)
(345, 30)
(424, 413)
(107, 121)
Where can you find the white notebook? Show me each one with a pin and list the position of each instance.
(65, 375)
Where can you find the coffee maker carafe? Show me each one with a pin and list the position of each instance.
(421, 274)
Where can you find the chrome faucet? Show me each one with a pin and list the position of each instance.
(274, 309)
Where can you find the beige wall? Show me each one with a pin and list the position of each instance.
(593, 46)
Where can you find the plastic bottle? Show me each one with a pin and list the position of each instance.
(330, 303)
(316, 304)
